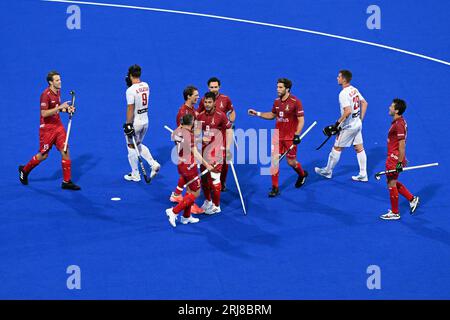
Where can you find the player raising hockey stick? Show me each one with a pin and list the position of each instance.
(348, 128)
(288, 111)
(187, 168)
(136, 124)
(396, 159)
(52, 132)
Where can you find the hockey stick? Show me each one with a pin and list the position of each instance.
(238, 187)
(379, 174)
(168, 129)
(141, 163)
(328, 138)
(292, 146)
(321, 145)
(69, 126)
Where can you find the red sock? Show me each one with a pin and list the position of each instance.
(187, 201)
(404, 192)
(223, 174)
(298, 168)
(66, 168)
(393, 193)
(179, 188)
(275, 179)
(190, 199)
(216, 193)
(31, 164)
(206, 187)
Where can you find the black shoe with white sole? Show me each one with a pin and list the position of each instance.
(301, 179)
(69, 185)
(274, 192)
(23, 176)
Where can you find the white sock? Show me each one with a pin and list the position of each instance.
(145, 153)
(362, 161)
(133, 160)
(333, 159)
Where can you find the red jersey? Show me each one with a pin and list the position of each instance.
(185, 145)
(397, 132)
(213, 124)
(223, 103)
(50, 100)
(286, 114)
(184, 110)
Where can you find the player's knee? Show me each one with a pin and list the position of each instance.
(292, 162)
(338, 149)
(42, 157)
(391, 183)
(195, 193)
(359, 148)
(130, 146)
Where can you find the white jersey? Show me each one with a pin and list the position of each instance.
(351, 97)
(138, 95)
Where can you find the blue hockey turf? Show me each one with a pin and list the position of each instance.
(310, 243)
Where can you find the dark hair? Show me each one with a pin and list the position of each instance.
(188, 91)
(287, 83)
(213, 79)
(399, 105)
(134, 71)
(50, 75)
(210, 95)
(346, 74)
(187, 120)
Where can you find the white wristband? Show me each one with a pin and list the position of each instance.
(258, 113)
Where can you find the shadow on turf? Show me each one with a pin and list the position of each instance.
(80, 166)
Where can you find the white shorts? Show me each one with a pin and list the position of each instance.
(349, 137)
(139, 133)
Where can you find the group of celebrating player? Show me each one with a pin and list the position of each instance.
(211, 126)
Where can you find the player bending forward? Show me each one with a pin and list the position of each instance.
(187, 168)
(396, 159)
(51, 132)
(137, 123)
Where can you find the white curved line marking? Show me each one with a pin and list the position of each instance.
(255, 23)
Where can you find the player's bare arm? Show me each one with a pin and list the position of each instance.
(301, 123)
(345, 115)
(401, 150)
(263, 115)
(130, 113)
(364, 105)
(232, 116)
(62, 108)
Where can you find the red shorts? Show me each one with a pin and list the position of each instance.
(189, 172)
(391, 163)
(51, 135)
(283, 146)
